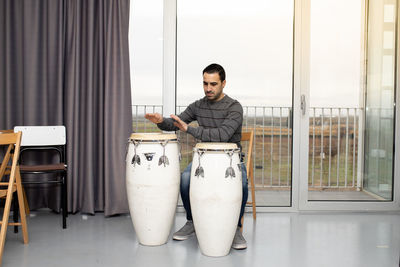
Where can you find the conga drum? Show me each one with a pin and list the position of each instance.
(152, 184)
(215, 196)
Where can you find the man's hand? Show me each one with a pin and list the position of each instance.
(179, 123)
(154, 117)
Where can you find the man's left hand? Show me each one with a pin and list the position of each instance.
(179, 123)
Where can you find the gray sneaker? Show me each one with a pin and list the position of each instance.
(238, 241)
(184, 233)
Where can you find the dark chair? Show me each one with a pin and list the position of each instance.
(48, 146)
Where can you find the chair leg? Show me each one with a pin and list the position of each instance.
(6, 214)
(21, 204)
(64, 202)
(27, 211)
(253, 194)
(15, 211)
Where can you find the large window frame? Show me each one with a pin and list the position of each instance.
(301, 82)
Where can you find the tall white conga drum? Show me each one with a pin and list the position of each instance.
(152, 184)
(215, 196)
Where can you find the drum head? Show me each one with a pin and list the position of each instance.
(153, 136)
(216, 146)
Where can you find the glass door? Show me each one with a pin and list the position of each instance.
(336, 100)
(349, 105)
(380, 100)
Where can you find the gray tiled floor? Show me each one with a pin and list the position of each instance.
(274, 239)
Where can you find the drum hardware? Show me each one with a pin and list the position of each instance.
(126, 149)
(240, 166)
(180, 151)
(163, 159)
(136, 158)
(230, 171)
(149, 156)
(199, 170)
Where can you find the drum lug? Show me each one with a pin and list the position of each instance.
(199, 172)
(230, 172)
(135, 159)
(163, 160)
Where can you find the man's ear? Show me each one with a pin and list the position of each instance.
(223, 83)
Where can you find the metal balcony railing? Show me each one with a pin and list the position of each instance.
(333, 144)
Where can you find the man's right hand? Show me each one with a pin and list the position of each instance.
(154, 117)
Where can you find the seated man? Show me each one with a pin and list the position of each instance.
(220, 120)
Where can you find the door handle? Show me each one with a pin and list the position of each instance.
(303, 104)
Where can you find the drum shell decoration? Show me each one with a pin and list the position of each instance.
(215, 199)
(152, 186)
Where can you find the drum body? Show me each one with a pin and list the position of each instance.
(152, 183)
(215, 196)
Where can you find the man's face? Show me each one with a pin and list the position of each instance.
(213, 86)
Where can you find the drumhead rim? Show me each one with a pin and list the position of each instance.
(235, 150)
(161, 141)
(153, 136)
(216, 146)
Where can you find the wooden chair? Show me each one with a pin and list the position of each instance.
(15, 199)
(15, 205)
(13, 141)
(249, 137)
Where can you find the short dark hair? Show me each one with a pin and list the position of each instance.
(215, 68)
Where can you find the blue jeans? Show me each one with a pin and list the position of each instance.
(185, 185)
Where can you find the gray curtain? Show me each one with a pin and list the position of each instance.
(67, 62)
(31, 74)
(31, 63)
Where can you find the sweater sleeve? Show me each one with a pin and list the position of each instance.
(167, 125)
(225, 131)
(188, 115)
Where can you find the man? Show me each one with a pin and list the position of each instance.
(220, 120)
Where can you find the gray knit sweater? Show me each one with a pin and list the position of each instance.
(219, 121)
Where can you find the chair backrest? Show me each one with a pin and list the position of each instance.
(6, 131)
(249, 137)
(42, 135)
(13, 140)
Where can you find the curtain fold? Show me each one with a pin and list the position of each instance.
(97, 103)
(67, 62)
